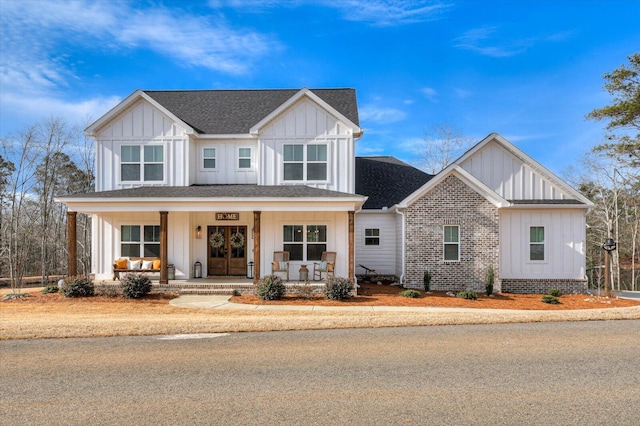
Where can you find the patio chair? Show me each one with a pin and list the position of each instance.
(280, 262)
(327, 265)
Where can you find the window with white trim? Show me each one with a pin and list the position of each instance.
(536, 243)
(135, 243)
(451, 243)
(148, 167)
(372, 237)
(305, 242)
(244, 158)
(305, 165)
(209, 158)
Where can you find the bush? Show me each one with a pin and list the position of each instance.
(134, 286)
(338, 288)
(51, 288)
(426, 281)
(467, 294)
(77, 287)
(488, 281)
(554, 292)
(547, 298)
(271, 287)
(410, 293)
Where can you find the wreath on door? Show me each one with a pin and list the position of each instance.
(217, 239)
(237, 240)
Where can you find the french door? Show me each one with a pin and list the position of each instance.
(227, 250)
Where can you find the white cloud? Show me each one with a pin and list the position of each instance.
(389, 12)
(462, 94)
(429, 93)
(381, 115)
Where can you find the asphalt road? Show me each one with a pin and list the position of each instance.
(581, 373)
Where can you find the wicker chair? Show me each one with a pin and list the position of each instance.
(280, 262)
(327, 265)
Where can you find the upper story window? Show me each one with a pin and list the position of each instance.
(536, 243)
(209, 158)
(305, 165)
(148, 167)
(451, 243)
(372, 237)
(244, 158)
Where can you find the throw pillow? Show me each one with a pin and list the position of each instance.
(121, 263)
(330, 266)
(156, 264)
(133, 264)
(322, 266)
(147, 264)
(274, 265)
(283, 265)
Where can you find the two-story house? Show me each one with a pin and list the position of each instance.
(228, 177)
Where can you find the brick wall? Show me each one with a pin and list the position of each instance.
(451, 202)
(543, 285)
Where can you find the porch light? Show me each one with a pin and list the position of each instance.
(198, 232)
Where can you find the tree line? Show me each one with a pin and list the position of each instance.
(52, 158)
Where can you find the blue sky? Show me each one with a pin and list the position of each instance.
(529, 70)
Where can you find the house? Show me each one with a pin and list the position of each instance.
(229, 177)
(492, 207)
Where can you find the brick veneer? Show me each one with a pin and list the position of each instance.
(510, 285)
(451, 202)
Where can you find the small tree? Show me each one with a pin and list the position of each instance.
(426, 281)
(488, 280)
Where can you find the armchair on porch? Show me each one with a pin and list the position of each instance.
(327, 265)
(280, 262)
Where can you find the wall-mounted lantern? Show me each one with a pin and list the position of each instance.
(198, 232)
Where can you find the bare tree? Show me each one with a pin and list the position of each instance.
(441, 145)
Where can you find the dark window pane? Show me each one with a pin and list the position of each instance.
(153, 154)
(314, 251)
(316, 171)
(537, 252)
(292, 233)
(371, 241)
(152, 233)
(130, 172)
(152, 250)
(536, 234)
(450, 252)
(244, 163)
(316, 233)
(130, 154)
(293, 171)
(130, 233)
(209, 163)
(153, 172)
(295, 251)
(130, 250)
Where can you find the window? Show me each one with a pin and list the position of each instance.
(133, 245)
(209, 158)
(451, 243)
(372, 237)
(148, 169)
(536, 243)
(244, 158)
(305, 242)
(299, 168)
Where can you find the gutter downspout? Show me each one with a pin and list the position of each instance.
(403, 245)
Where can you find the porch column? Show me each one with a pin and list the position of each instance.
(256, 245)
(164, 274)
(72, 247)
(352, 252)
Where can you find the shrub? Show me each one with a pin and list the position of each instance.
(467, 294)
(488, 281)
(77, 287)
(338, 288)
(270, 287)
(135, 285)
(410, 293)
(547, 298)
(554, 292)
(426, 281)
(51, 288)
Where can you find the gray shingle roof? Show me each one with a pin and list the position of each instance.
(216, 191)
(236, 111)
(386, 180)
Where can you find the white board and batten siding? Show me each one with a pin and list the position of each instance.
(509, 176)
(226, 171)
(564, 244)
(141, 124)
(307, 123)
(106, 239)
(382, 258)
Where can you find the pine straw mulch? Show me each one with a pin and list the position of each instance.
(389, 295)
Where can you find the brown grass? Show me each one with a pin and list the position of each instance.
(53, 316)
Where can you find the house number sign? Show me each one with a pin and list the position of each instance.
(227, 216)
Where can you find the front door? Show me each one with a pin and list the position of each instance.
(227, 250)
